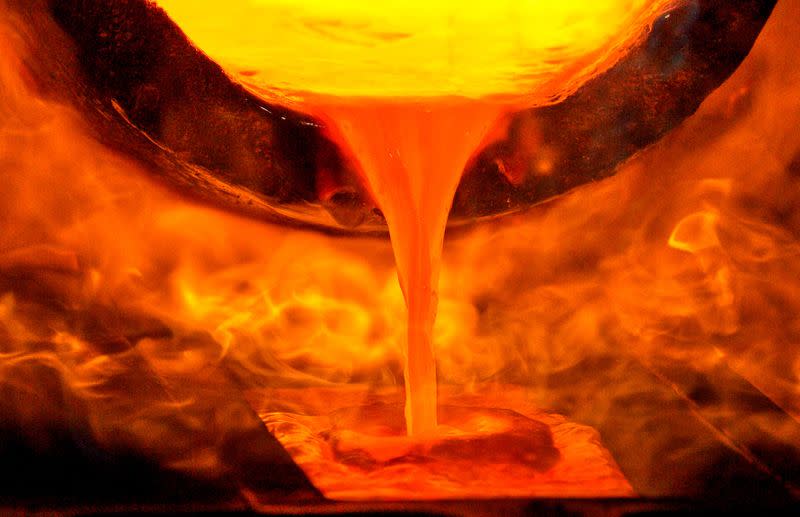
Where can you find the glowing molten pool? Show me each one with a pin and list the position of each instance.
(356, 449)
(417, 48)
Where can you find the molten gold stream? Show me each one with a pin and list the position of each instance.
(413, 89)
(412, 154)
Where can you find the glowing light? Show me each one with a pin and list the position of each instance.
(412, 48)
(602, 277)
(412, 153)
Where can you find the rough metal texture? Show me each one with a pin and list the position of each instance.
(147, 92)
(688, 53)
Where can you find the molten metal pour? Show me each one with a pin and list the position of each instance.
(412, 144)
(412, 155)
(677, 278)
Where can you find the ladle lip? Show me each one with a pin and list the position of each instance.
(688, 52)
